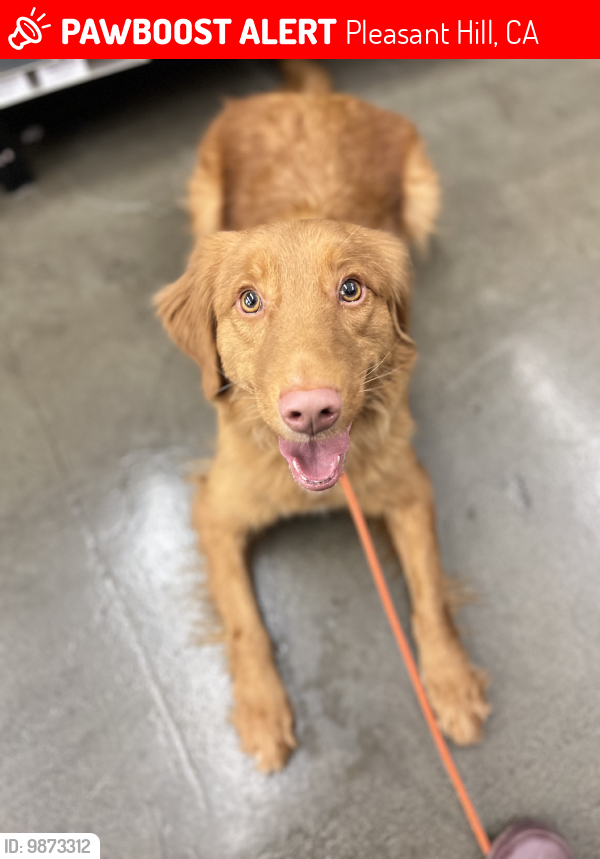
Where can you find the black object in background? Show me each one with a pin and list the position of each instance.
(14, 170)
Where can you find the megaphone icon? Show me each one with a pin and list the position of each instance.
(26, 32)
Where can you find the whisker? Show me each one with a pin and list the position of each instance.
(372, 369)
(243, 394)
(389, 372)
(375, 390)
(350, 236)
(243, 387)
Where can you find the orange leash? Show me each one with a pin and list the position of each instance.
(388, 607)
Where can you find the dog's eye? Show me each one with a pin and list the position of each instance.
(250, 301)
(350, 290)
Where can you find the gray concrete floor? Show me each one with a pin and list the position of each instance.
(114, 698)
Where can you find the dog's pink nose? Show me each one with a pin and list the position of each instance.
(310, 412)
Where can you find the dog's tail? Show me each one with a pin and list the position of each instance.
(305, 76)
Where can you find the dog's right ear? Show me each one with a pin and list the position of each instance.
(186, 310)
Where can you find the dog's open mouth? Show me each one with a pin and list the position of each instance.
(316, 464)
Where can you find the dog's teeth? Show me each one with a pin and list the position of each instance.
(306, 481)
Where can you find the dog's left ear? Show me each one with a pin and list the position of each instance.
(394, 255)
(399, 305)
(186, 310)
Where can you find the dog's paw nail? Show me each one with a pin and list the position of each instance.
(266, 731)
(273, 760)
(458, 699)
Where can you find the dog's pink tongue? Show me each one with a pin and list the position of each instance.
(316, 460)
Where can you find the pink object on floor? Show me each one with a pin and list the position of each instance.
(530, 840)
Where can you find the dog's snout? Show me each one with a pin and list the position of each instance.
(310, 412)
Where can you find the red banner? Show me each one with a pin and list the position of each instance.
(179, 29)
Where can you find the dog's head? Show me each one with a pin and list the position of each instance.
(306, 316)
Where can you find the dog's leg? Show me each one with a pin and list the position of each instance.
(456, 688)
(261, 711)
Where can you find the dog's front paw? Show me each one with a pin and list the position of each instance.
(264, 721)
(456, 691)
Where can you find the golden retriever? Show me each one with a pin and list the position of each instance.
(295, 305)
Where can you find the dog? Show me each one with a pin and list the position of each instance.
(295, 304)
